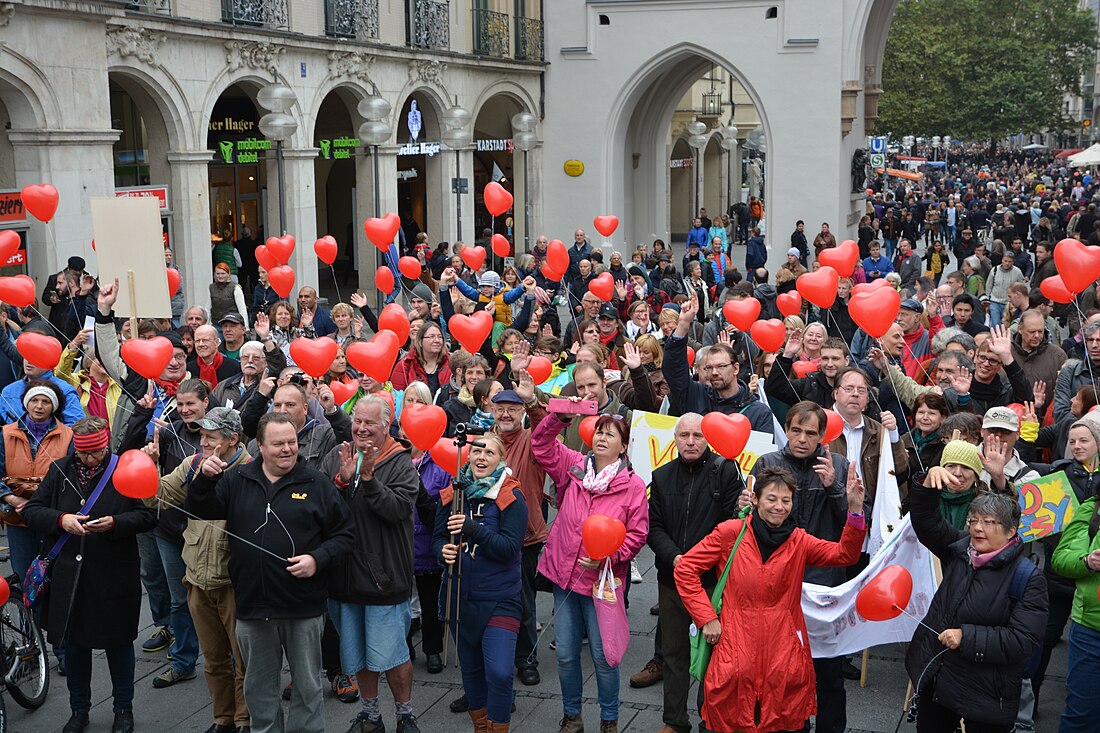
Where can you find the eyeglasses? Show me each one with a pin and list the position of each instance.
(983, 523)
(178, 357)
(717, 367)
(849, 389)
(253, 357)
(988, 360)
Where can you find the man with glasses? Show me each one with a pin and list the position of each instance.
(990, 387)
(1076, 373)
(718, 389)
(239, 389)
(863, 436)
(816, 386)
(210, 364)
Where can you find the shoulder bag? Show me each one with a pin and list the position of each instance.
(700, 649)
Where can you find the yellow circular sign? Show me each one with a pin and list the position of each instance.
(573, 168)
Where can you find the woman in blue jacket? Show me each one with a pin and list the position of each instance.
(492, 524)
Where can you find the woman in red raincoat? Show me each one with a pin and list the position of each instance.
(761, 674)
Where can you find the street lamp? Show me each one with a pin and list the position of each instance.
(277, 125)
(697, 141)
(456, 135)
(524, 138)
(728, 142)
(374, 132)
(946, 141)
(935, 147)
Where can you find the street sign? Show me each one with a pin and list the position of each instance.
(878, 160)
(460, 185)
(878, 145)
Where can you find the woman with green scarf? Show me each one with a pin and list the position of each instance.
(957, 479)
(924, 444)
(491, 523)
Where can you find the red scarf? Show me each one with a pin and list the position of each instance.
(209, 372)
(169, 388)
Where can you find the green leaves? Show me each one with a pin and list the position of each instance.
(981, 69)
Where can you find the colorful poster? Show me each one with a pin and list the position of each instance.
(1046, 505)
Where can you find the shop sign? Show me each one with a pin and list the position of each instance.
(242, 151)
(160, 193)
(681, 162)
(407, 174)
(11, 207)
(233, 125)
(19, 258)
(338, 148)
(573, 168)
(428, 149)
(499, 145)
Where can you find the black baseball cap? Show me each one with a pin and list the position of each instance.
(608, 311)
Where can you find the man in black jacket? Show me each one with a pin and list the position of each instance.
(296, 525)
(689, 497)
(816, 386)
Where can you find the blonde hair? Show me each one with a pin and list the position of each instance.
(418, 390)
(597, 350)
(794, 322)
(649, 343)
(343, 309)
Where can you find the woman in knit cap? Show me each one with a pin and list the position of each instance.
(957, 480)
(94, 600)
(225, 296)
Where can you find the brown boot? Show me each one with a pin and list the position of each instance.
(571, 724)
(609, 726)
(480, 719)
(652, 673)
(498, 727)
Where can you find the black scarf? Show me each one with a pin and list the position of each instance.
(769, 538)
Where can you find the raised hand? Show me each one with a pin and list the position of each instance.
(724, 337)
(888, 420)
(521, 357)
(524, 384)
(358, 299)
(1039, 393)
(688, 311)
(794, 344)
(347, 462)
(1028, 413)
(995, 455)
(326, 397)
(305, 319)
(80, 339)
(854, 490)
(213, 466)
(1000, 343)
(357, 324)
(877, 358)
(108, 295)
(620, 289)
(939, 478)
(434, 310)
(153, 449)
(825, 469)
(961, 381)
(530, 285)
(754, 384)
(449, 277)
(148, 401)
(262, 326)
(632, 359)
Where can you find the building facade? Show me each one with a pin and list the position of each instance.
(159, 97)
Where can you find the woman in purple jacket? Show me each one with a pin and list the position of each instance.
(600, 482)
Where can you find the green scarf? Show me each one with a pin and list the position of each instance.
(920, 441)
(956, 507)
(476, 488)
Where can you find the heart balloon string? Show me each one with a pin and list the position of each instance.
(214, 523)
(1082, 321)
(899, 608)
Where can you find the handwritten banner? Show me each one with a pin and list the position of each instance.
(652, 444)
(1046, 506)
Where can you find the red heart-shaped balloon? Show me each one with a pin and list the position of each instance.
(557, 256)
(281, 248)
(40, 201)
(342, 392)
(474, 257)
(383, 279)
(382, 231)
(376, 357)
(17, 290)
(603, 286)
(173, 281)
(550, 273)
(424, 425)
(819, 287)
(841, 258)
(471, 331)
(875, 312)
(540, 369)
(410, 267)
(834, 426)
(314, 356)
(445, 454)
(136, 475)
(265, 259)
(393, 318)
(886, 595)
(587, 429)
(871, 286)
(789, 304)
(769, 335)
(497, 198)
(606, 225)
(742, 313)
(727, 434)
(1078, 264)
(41, 350)
(147, 357)
(9, 245)
(282, 280)
(326, 249)
(501, 246)
(1054, 288)
(602, 535)
(691, 356)
(802, 368)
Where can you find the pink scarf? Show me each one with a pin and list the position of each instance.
(599, 483)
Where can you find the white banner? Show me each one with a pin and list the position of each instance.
(834, 626)
(886, 513)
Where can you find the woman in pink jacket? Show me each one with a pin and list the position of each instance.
(601, 482)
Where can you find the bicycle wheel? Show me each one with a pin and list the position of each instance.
(24, 654)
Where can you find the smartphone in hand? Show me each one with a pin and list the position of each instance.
(564, 406)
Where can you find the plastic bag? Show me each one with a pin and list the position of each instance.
(611, 615)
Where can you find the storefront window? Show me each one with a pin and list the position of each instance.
(131, 150)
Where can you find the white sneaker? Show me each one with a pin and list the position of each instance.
(635, 576)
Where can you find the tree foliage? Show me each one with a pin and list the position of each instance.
(982, 69)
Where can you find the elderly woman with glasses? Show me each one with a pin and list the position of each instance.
(986, 620)
(94, 598)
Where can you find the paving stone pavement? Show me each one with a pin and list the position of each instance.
(185, 707)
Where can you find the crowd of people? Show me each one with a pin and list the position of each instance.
(294, 520)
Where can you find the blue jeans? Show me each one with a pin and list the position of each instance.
(24, 545)
(1082, 680)
(891, 245)
(185, 647)
(576, 614)
(152, 577)
(487, 671)
(78, 668)
(996, 313)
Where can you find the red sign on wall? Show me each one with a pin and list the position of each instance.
(160, 193)
(19, 258)
(11, 207)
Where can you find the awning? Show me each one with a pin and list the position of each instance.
(907, 175)
(1067, 152)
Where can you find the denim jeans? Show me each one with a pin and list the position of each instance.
(78, 668)
(24, 545)
(487, 671)
(526, 653)
(152, 577)
(996, 313)
(185, 647)
(1082, 680)
(576, 613)
(891, 245)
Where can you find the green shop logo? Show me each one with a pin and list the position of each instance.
(226, 149)
(339, 148)
(242, 151)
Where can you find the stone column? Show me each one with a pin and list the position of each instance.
(735, 172)
(370, 257)
(190, 201)
(301, 213)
